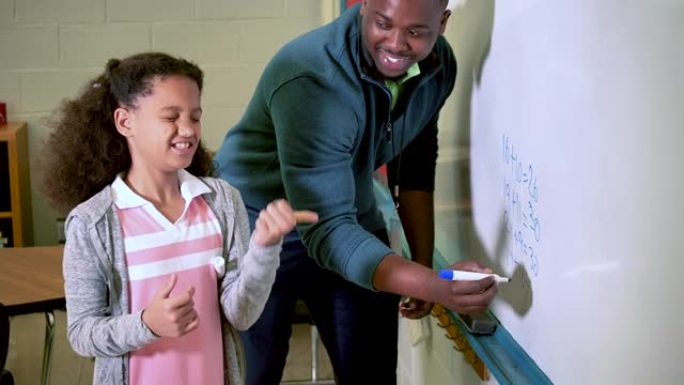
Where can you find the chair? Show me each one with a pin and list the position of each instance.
(5, 376)
(302, 316)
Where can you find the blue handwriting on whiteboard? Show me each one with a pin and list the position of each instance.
(521, 196)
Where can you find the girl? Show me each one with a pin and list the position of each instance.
(159, 267)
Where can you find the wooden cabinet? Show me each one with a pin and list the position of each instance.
(16, 222)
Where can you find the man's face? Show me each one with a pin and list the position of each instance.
(399, 33)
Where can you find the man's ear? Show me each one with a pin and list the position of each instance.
(443, 22)
(122, 120)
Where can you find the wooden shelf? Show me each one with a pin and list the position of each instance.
(16, 221)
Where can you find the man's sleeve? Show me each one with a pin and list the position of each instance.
(316, 135)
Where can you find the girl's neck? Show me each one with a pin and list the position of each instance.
(160, 189)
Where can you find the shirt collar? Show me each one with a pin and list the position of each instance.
(124, 197)
(414, 70)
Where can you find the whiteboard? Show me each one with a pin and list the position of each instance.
(576, 127)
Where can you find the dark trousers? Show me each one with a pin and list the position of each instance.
(357, 326)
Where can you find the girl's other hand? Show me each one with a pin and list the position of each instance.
(171, 316)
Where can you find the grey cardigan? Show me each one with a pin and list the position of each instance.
(96, 284)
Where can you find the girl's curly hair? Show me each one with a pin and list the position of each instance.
(84, 152)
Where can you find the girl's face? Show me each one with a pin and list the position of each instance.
(163, 132)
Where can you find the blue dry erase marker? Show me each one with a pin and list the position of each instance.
(460, 275)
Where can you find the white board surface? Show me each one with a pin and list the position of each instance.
(577, 182)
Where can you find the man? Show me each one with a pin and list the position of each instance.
(331, 107)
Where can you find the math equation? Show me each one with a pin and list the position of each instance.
(522, 224)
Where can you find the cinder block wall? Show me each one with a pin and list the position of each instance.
(49, 48)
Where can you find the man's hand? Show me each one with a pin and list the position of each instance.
(414, 308)
(278, 219)
(168, 316)
(467, 297)
(395, 274)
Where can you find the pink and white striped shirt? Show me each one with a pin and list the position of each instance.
(155, 248)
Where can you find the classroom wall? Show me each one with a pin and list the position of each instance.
(49, 48)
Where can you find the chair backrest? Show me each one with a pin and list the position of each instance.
(301, 314)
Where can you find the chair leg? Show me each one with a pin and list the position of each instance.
(5, 375)
(314, 354)
(47, 348)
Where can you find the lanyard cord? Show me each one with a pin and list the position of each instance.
(397, 171)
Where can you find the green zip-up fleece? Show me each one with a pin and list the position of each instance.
(319, 124)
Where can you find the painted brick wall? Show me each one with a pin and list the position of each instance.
(49, 48)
